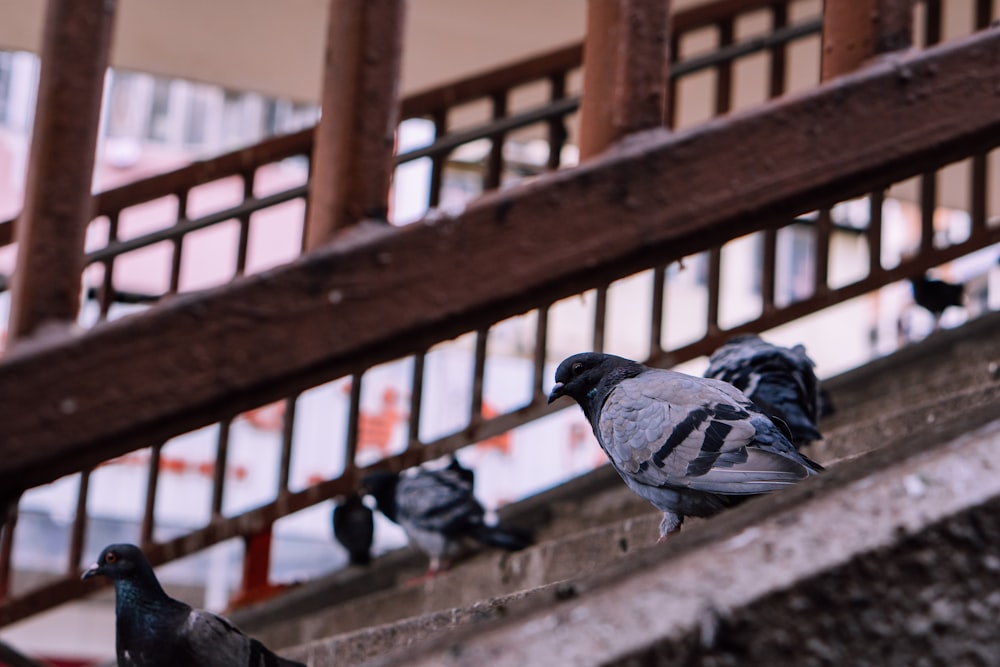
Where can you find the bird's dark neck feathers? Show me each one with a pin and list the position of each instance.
(140, 595)
(594, 399)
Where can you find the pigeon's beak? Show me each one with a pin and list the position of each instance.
(557, 391)
(91, 571)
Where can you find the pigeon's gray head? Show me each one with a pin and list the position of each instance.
(120, 562)
(589, 376)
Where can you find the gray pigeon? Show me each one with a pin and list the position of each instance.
(779, 380)
(155, 630)
(438, 511)
(691, 446)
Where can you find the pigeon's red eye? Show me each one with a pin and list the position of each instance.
(111, 557)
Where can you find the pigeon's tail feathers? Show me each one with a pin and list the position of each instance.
(763, 471)
(504, 537)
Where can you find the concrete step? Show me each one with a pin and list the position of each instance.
(944, 384)
(892, 558)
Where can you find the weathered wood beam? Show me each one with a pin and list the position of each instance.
(352, 159)
(57, 202)
(379, 292)
(855, 31)
(626, 63)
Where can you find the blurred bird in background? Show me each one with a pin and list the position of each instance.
(354, 528)
(779, 380)
(936, 296)
(438, 512)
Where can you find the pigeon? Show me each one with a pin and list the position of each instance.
(354, 528)
(155, 630)
(438, 512)
(779, 380)
(936, 295)
(690, 446)
(467, 474)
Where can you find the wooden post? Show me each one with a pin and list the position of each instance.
(352, 158)
(855, 31)
(625, 70)
(51, 229)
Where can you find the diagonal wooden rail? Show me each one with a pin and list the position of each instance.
(377, 292)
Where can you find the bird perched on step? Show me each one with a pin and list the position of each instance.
(691, 446)
(779, 380)
(155, 630)
(438, 512)
(354, 528)
(936, 296)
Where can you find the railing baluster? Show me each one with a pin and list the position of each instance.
(244, 220)
(778, 69)
(557, 132)
(178, 242)
(149, 511)
(438, 161)
(79, 531)
(724, 71)
(823, 229)
(6, 551)
(287, 439)
(353, 422)
(219, 469)
(416, 399)
(541, 351)
(769, 269)
(656, 311)
(984, 14)
(106, 295)
(600, 316)
(928, 202)
(478, 372)
(979, 189)
(874, 232)
(714, 289)
(494, 161)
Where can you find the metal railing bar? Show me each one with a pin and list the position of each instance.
(287, 439)
(659, 277)
(79, 529)
(416, 399)
(219, 467)
(874, 231)
(478, 374)
(600, 316)
(540, 352)
(185, 226)
(152, 483)
(353, 422)
(244, 220)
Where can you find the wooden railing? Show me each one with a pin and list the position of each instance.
(310, 323)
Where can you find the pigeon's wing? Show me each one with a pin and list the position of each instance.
(438, 501)
(212, 641)
(663, 428)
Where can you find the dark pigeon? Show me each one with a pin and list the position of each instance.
(691, 446)
(936, 296)
(439, 512)
(354, 528)
(468, 474)
(155, 630)
(779, 380)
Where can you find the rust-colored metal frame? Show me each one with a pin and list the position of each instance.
(369, 297)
